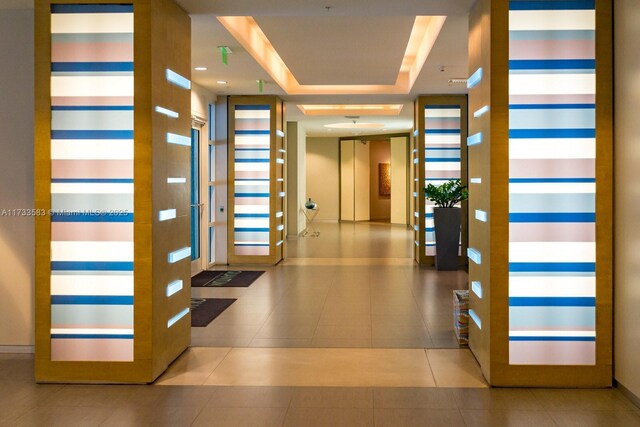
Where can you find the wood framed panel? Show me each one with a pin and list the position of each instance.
(550, 148)
(101, 296)
(256, 197)
(441, 155)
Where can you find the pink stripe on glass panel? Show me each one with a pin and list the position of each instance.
(552, 168)
(91, 52)
(441, 124)
(252, 124)
(88, 169)
(430, 173)
(552, 232)
(252, 201)
(91, 100)
(92, 350)
(552, 49)
(252, 250)
(552, 353)
(92, 231)
(252, 174)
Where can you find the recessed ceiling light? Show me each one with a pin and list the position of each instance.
(200, 68)
(352, 109)
(355, 125)
(222, 82)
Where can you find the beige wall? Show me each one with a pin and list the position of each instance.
(379, 206)
(16, 173)
(296, 178)
(627, 195)
(323, 176)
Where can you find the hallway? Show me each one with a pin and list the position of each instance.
(345, 295)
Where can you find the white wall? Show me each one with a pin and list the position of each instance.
(16, 174)
(323, 176)
(627, 195)
(296, 178)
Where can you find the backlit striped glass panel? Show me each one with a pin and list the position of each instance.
(442, 157)
(552, 139)
(92, 182)
(252, 154)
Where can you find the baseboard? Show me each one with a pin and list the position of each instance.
(628, 394)
(17, 349)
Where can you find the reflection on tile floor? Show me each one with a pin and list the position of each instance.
(372, 297)
(23, 403)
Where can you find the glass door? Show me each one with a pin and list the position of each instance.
(197, 206)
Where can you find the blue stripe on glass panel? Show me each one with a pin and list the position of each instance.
(442, 148)
(252, 160)
(553, 35)
(249, 230)
(68, 216)
(553, 217)
(91, 266)
(442, 159)
(92, 336)
(92, 299)
(551, 106)
(250, 244)
(251, 194)
(552, 133)
(552, 5)
(91, 181)
(552, 64)
(552, 301)
(91, 8)
(550, 180)
(441, 131)
(252, 132)
(252, 179)
(92, 108)
(552, 338)
(552, 266)
(251, 215)
(252, 107)
(91, 66)
(91, 134)
(252, 149)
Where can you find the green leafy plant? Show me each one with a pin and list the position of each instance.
(448, 194)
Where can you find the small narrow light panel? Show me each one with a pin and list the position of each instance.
(173, 138)
(476, 180)
(475, 318)
(475, 79)
(179, 254)
(174, 287)
(167, 112)
(481, 215)
(176, 180)
(166, 215)
(474, 255)
(177, 317)
(476, 287)
(474, 139)
(178, 80)
(481, 111)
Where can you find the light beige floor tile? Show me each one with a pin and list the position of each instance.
(280, 342)
(595, 418)
(183, 396)
(324, 367)
(193, 367)
(251, 397)
(455, 368)
(200, 342)
(424, 398)
(390, 331)
(239, 318)
(353, 342)
(240, 417)
(417, 342)
(344, 318)
(507, 418)
(496, 399)
(342, 332)
(332, 397)
(560, 400)
(215, 330)
(64, 416)
(322, 417)
(418, 418)
(9, 413)
(291, 330)
(159, 416)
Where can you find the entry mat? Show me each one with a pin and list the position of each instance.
(224, 279)
(204, 310)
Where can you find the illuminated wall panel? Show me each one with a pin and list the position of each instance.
(252, 167)
(92, 182)
(552, 183)
(441, 157)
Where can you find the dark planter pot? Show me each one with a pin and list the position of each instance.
(447, 230)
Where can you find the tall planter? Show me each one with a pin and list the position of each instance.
(447, 229)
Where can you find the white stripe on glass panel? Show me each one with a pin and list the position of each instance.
(92, 331)
(85, 284)
(548, 333)
(549, 188)
(552, 286)
(80, 149)
(552, 252)
(78, 23)
(552, 84)
(252, 114)
(91, 86)
(91, 251)
(552, 148)
(436, 113)
(86, 188)
(551, 20)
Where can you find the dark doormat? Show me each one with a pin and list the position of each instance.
(224, 279)
(204, 310)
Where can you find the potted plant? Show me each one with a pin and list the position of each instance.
(446, 219)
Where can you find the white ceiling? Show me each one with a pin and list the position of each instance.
(354, 42)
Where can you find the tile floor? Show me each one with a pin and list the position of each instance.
(355, 286)
(23, 403)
